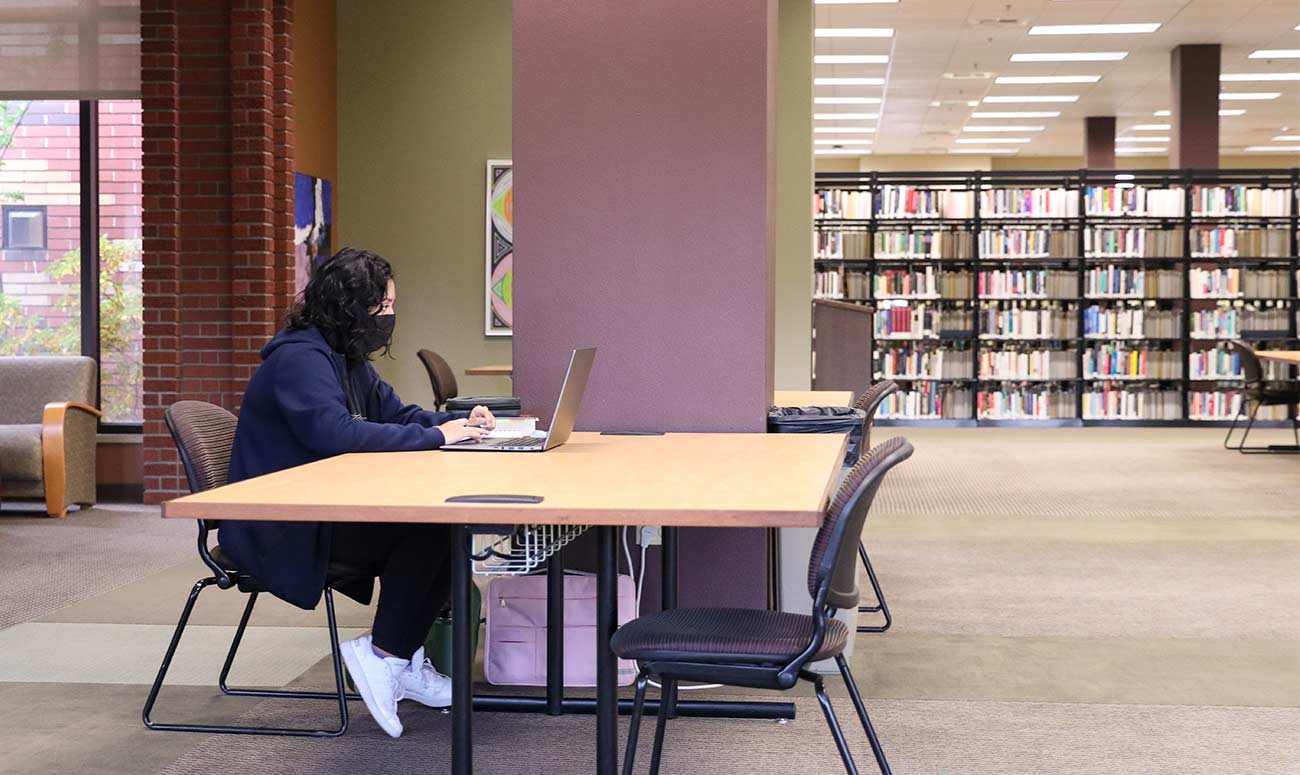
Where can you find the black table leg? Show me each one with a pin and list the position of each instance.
(462, 659)
(555, 636)
(606, 664)
(668, 578)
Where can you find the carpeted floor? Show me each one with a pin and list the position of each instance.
(1065, 600)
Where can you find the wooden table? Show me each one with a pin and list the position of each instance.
(812, 398)
(495, 370)
(674, 480)
(1286, 356)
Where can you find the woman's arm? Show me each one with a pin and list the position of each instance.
(308, 392)
(392, 410)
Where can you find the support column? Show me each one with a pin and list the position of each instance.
(1099, 142)
(644, 225)
(1194, 106)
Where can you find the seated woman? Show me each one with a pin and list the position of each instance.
(315, 396)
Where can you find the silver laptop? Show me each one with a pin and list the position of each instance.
(566, 412)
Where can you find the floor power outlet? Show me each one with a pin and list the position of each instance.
(650, 535)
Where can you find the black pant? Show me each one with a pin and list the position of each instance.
(414, 577)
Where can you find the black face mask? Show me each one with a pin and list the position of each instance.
(382, 335)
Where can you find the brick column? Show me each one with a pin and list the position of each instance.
(217, 79)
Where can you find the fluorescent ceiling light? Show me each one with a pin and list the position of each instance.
(1276, 53)
(854, 32)
(1034, 98)
(858, 141)
(1007, 128)
(838, 129)
(851, 59)
(843, 152)
(1151, 128)
(1141, 139)
(1091, 29)
(993, 140)
(1125, 176)
(1287, 138)
(983, 150)
(1072, 56)
(1274, 148)
(846, 100)
(1047, 79)
(1259, 77)
(852, 2)
(848, 81)
(1222, 112)
(1016, 114)
(1250, 95)
(846, 116)
(1136, 151)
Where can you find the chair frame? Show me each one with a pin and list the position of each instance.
(223, 578)
(869, 403)
(1250, 365)
(776, 676)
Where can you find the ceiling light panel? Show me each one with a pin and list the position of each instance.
(1250, 95)
(1136, 151)
(843, 141)
(1274, 148)
(1016, 114)
(1092, 29)
(1026, 79)
(1033, 98)
(1141, 139)
(984, 150)
(1286, 138)
(853, 2)
(1072, 56)
(848, 81)
(1151, 128)
(1006, 128)
(993, 140)
(1276, 53)
(846, 100)
(846, 116)
(854, 32)
(851, 59)
(1222, 112)
(843, 129)
(1259, 77)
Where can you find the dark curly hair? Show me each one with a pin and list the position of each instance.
(338, 299)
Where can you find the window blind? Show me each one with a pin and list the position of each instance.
(69, 49)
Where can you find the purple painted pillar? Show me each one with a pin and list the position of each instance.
(643, 216)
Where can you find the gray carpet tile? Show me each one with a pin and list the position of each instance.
(49, 563)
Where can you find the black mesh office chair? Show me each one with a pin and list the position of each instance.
(446, 393)
(204, 436)
(869, 402)
(1256, 393)
(763, 649)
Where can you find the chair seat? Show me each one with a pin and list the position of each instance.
(20, 452)
(739, 635)
(335, 574)
(1273, 396)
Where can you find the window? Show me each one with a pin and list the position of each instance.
(24, 227)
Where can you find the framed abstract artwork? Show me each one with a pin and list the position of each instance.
(312, 222)
(499, 259)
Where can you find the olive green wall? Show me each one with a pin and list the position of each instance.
(423, 103)
(794, 164)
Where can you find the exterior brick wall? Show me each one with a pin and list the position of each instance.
(217, 82)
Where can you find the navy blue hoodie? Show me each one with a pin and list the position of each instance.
(295, 411)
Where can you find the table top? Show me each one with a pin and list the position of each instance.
(1289, 356)
(812, 398)
(493, 370)
(679, 479)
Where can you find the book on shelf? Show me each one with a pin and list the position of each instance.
(1028, 283)
(914, 363)
(922, 244)
(901, 201)
(1027, 403)
(906, 283)
(1235, 282)
(1128, 199)
(1027, 364)
(1132, 242)
(1028, 203)
(1117, 360)
(927, 401)
(1118, 282)
(837, 203)
(1131, 322)
(1028, 320)
(1225, 405)
(1240, 200)
(1233, 241)
(1215, 363)
(840, 244)
(1231, 322)
(828, 285)
(1106, 402)
(1027, 243)
(904, 320)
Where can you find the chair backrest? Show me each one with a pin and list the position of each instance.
(833, 568)
(1251, 368)
(205, 436)
(441, 377)
(870, 401)
(29, 382)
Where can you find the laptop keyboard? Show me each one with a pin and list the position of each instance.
(525, 442)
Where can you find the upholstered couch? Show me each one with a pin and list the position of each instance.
(47, 430)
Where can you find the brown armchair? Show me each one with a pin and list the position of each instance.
(47, 430)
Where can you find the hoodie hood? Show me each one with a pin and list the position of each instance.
(303, 337)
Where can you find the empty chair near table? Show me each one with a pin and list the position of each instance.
(446, 393)
(1256, 394)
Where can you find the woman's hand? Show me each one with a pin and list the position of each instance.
(459, 430)
(483, 418)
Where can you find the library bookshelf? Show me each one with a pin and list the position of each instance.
(1065, 297)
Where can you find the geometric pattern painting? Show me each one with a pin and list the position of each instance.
(500, 248)
(312, 221)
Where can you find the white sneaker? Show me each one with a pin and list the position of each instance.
(420, 682)
(376, 680)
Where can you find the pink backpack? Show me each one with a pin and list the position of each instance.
(515, 653)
